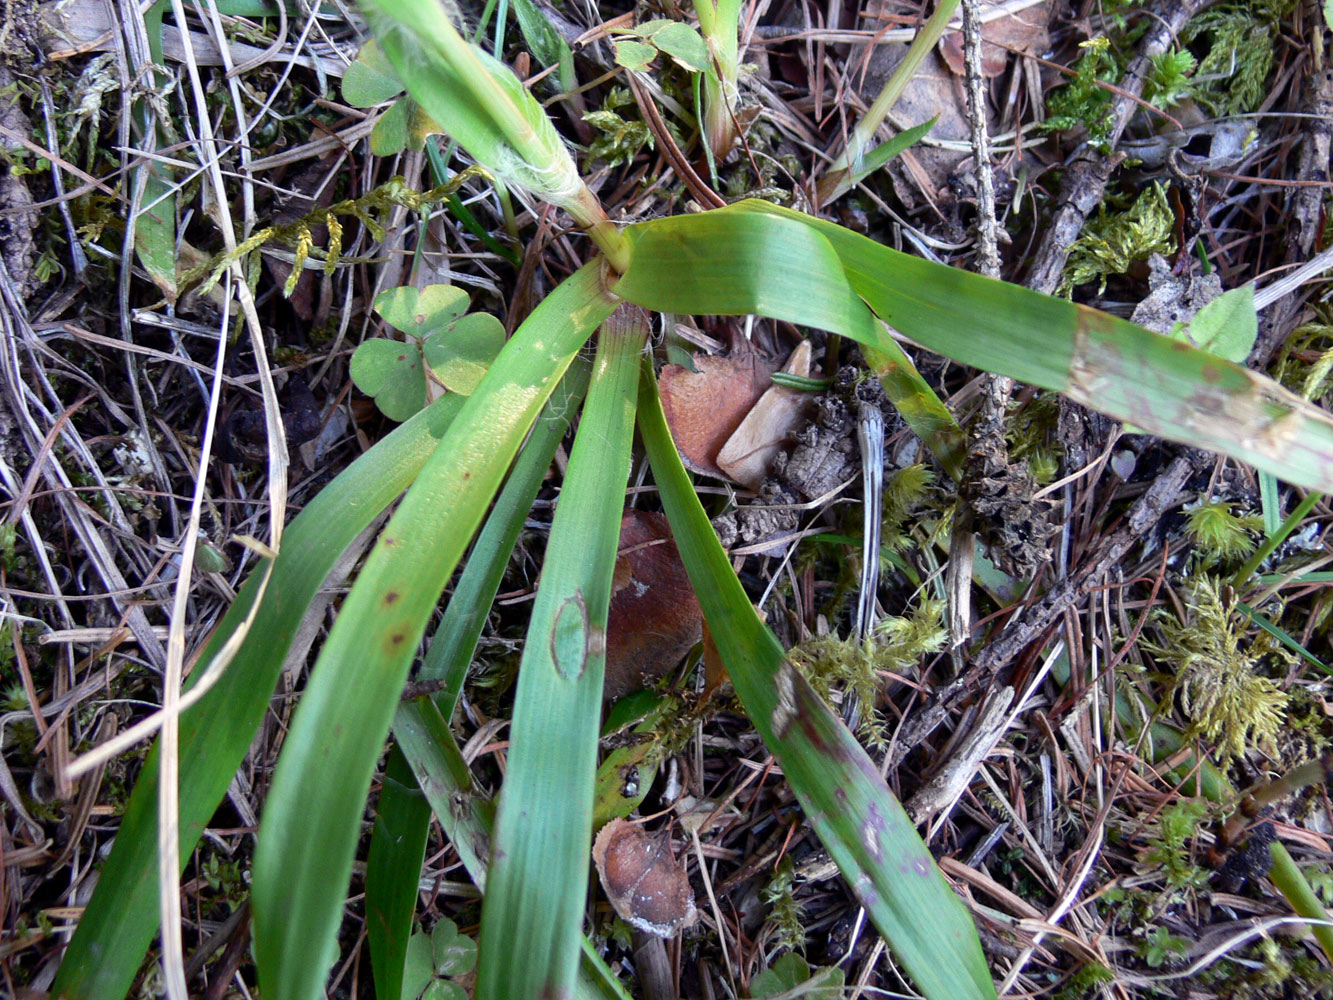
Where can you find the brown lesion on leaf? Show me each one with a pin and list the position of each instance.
(391, 596)
(570, 658)
(1091, 320)
(865, 891)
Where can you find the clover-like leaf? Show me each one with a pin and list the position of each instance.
(421, 312)
(791, 971)
(455, 347)
(682, 43)
(787, 972)
(455, 954)
(1225, 327)
(371, 79)
(459, 355)
(389, 136)
(418, 968)
(634, 55)
(405, 125)
(392, 372)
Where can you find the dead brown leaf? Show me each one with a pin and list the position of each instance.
(703, 408)
(655, 617)
(643, 880)
(1024, 31)
(749, 452)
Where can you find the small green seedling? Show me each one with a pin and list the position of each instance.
(456, 348)
(791, 976)
(433, 958)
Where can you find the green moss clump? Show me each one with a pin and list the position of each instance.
(1031, 431)
(1169, 82)
(1240, 36)
(784, 910)
(1081, 102)
(1170, 849)
(904, 491)
(1220, 535)
(1113, 241)
(621, 138)
(1216, 676)
(896, 645)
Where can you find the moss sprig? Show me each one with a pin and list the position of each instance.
(395, 192)
(784, 909)
(895, 646)
(1113, 241)
(1220, 536)
(1216, 677)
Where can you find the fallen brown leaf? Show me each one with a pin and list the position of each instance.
(749, 452)
(1024, 31)
(655, 617)
(703, 408)
(645, 883)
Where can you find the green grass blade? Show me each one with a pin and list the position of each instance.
(422, 727)
(403, 813)
(312, 820)
(122, 916)
(924, 411)
(726, 263)
(1270, 502)
(890, 148)
(393, 870)
(1286, 875)
(467, 816)
(464, 810)
(1281, 635)
(853, 812)
(535, 893)
(455, 640)
(850, 162)
(1274, 539)
(480, 102)
(723, 263)
(1161, 385)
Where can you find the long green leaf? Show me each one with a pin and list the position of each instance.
(856, 817)
(1163, 386)
(393, 872)
(312, 821)
(890, 148)
(1302, 897)
(850, 162)
(122, 916)
(467, 817)
(455, 640)
(533, 910)
(725, 262)
(480, 102)
(403, 814)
